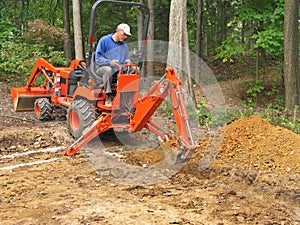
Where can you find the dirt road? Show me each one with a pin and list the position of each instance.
(253, 178)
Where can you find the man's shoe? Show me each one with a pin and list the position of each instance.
(108, 100)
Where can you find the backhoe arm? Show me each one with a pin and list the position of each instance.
(141, 117)
(168, 85)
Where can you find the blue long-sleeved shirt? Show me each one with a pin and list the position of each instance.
(107, 50)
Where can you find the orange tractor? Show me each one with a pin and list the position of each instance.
(74, 89)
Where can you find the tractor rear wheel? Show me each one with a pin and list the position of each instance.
(43, 109)
(80, 115)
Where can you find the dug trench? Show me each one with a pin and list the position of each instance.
(252, 178)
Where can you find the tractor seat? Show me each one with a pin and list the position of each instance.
(76, 77)
(93, 73)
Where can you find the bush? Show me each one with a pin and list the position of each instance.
(41, 32)
(18, 54)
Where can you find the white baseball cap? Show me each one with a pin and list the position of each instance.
(125, 28)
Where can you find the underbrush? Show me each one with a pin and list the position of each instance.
(272, 110)
(275, 114)
(261, 97)
(19, 51)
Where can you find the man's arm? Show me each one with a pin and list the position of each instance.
(100, 58)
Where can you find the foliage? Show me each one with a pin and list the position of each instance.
(161, 20)
(262, 21)
(277, 82)
(41, 32)
(230, 50)
(254, 88)
(108, 17)
(271, 40)
(270, 88)
(8, 32)
(275, 114)
(213, 117)
(18, 56)
(19, 59)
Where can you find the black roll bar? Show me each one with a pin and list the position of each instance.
(144, 32)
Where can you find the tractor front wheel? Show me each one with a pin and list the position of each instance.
(80, 115)
(43, 109)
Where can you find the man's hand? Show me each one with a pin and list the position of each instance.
(114, 63)
(127, 61)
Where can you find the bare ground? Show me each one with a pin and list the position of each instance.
(252, 178)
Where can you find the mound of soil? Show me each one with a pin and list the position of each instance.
(253, 143)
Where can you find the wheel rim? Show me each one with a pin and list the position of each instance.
(37, 111)
(74, 120)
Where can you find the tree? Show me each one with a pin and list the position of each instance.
(199, 27)
(150, 45)
(67, 38)
(19, 17)
(77, 29)
(291, 55)
(178, 55)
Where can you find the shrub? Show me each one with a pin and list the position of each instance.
(18, 54)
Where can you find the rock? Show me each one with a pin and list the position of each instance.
(12, 148)
(117, 173)
(240, 219)
(36, 144)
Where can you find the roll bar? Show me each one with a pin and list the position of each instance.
(122, 3)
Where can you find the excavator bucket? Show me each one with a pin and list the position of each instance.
(24, 97)
(173, 153)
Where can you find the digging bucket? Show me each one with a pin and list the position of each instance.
(24, 97)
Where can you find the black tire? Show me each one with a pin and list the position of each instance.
(80, 115)
(43, 109)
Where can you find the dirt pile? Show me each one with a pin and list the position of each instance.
(254, 143)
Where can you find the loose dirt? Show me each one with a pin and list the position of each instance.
(251, 177)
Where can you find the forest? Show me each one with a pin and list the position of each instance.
(257, 38)
(218, 144)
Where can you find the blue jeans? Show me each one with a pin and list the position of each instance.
(105, 72)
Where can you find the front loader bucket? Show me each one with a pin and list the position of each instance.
(24, 97)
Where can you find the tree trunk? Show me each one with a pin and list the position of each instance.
(291, 55)
(77, 30)
(150, 45)
(205, 43)
(19, 17)
(140, 36)
(257, 64)
(140, 27)
(199, 28)
(178, 55)
(67, 38)
(50, 13)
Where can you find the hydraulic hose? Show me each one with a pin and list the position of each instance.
(30, 121)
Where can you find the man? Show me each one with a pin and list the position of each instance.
(111, 53)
